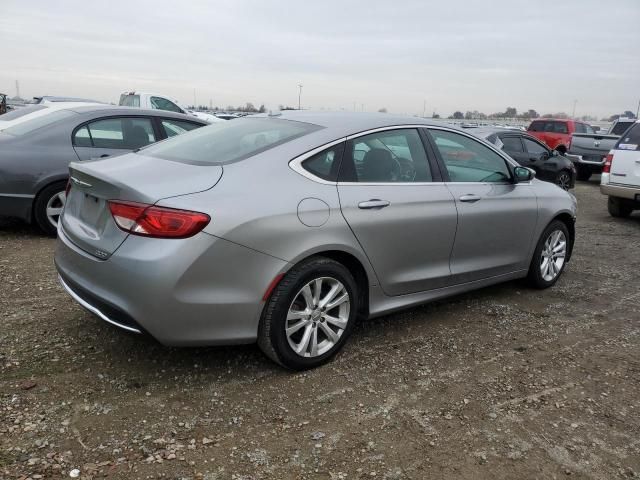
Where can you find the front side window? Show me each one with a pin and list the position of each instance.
(534, 147)
(392, 156)
(117, 133)
(512, 144)
(227, 142)
(620, 127)
(580, 128)
(468, 160)
(164, 104)
(537, 126)
(176, 127)
(559, 127)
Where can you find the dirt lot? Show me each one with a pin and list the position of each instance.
(505, 382)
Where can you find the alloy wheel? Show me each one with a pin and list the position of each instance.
(563, 181)
(553, 255)
(317, 317)
(54, 208)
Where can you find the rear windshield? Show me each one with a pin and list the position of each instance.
(39, 122)
(229, 141)
(631, 139)
(620, 127)
(21, 112)
(129, 100)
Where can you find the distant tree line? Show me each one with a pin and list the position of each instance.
(248, 107)
(530, 114)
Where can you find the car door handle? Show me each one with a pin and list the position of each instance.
(374, 203)
(470, 198)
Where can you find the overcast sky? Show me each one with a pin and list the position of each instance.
(455, 55)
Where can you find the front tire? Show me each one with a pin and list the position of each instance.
(563, 179)
(549, 257)
(618, 208)
(310, 314)
(48, 206)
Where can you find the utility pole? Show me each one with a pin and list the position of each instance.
(17, 89)
(573, 115)
(638, 109)
(299, 95)
(424, 108)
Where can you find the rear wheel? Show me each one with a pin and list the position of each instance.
(48, 206)
(310, 314)
(583, 174)
(550, 256)
(563, 179)
(618, 207)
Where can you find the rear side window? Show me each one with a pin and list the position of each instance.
(534, 147)
(536, 127)
(325, 164)
(558, 127)
(512, 144)
(631, 139)
(580, 128)
(176, 127)
(116, 133)
(228, 142)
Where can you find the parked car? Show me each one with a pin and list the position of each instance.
(283, 229)
(556, 132)
(588, 150)
(35, 154)
(620, 179)
(161, 102)
(48, 99)
(29, 112)
(549, 165)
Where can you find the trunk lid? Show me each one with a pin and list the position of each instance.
(592, 147)
(87, 220)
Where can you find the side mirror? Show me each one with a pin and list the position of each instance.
(545, 156)
(523, 174)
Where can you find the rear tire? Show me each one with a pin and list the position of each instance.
(48, 207)
(618, 208)
(553, 248)
(295, 312)
(584, 174)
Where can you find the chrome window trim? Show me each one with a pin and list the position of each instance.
(296, 163)
(17, 195)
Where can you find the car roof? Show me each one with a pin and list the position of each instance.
(118, 110)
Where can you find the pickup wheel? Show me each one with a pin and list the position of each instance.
(618, 208)
(583, 173)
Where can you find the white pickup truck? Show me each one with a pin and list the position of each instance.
(161, 102)
(621, 174)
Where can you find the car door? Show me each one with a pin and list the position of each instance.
(496, 217)
(541, 159)
(400, 211)
(111, 136)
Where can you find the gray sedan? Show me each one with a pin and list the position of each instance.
(286, 229)
(35, 155)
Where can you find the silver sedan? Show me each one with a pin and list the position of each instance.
(287, 229)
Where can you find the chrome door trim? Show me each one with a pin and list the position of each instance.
(296, 163)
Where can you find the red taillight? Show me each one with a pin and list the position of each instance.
(606, 168)
(158, 222)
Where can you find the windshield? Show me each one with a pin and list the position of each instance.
(21, 112)
(228, 142)
(129, 100)
(35, 123)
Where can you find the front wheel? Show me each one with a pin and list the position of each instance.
(48, 206)
(563, 179)
(549, 258)
(309, 315)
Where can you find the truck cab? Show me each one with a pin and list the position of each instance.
(160, 102)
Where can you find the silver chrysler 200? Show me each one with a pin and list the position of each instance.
(286, 229)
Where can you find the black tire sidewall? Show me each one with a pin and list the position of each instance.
(535, 276)
(559, 174)
(284, 295)
(40, 207)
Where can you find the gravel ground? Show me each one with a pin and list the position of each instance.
(504, 382)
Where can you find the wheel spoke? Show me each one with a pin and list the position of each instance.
(316, 291)
(560, 247)
(296, 315)
(53, 211)
(330, 295)
(308, 297)
(301, 348)
(314, 342)
(297, 326)
(331, 335)
(340, 300)
(338, 322)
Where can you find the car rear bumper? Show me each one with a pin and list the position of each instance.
(593, 162)
(621, 191)
(198, 291)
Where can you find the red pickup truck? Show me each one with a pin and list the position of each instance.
(556, 132)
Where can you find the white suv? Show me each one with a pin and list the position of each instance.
(621, 174)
